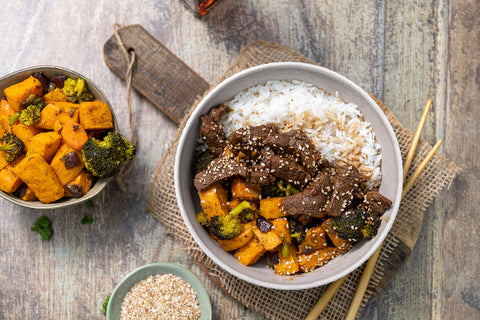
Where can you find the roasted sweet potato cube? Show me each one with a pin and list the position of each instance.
(214, 201)
(238, 241)
(269, 240)
(233, 203)
(25, 133)
(57, 111)
(338, 242)
(271, 208)
(18, 92)
(5, 112)
(67, 163)
(40, 177)
(80, 185)
(250, 252)
(287, 265)
(314, 239)
(95, 115)
(55, 95)
(74, 135)
(308, 262)
(281, 227)
(25, 193)
(9, 181)
(46, 144)
(242, 192)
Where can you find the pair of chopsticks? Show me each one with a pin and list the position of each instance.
(370, 265)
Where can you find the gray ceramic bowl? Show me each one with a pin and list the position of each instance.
(114, 307)
(51, 71)
(331, 82)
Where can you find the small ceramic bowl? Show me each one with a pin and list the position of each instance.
(114, 307)
(332, 83)
(51, 71)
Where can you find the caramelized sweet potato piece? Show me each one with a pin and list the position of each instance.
(238, 241)
(67, 163)
(242, 192)
(339, 243)
(80, 185)
(250, 252)
(46, 186)
(45, 144)
(287, 265)
(25, 133)
(5, 112)
(17, 93)
(74, 135)
(9, 181)
(271, 208)
(213, 201)
(314, 240)
(57, 111)
(308, 262)
(95, 115)
(55, 95)
(269, 240)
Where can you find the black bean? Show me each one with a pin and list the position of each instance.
(263, 225)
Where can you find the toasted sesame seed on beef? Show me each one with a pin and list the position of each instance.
(211, 131)
(347, 182)
(297, 143)
(376, 202)
(252, 138)
(259, 176)
(218, 170)
(312, 200)
(285, 167)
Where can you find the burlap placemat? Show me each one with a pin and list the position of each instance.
(288, 305)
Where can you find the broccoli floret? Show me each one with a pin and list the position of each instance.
(31, 114)
(12, 145)
(202, 219)
(202, 159)
(297, 230)
(77, 90)
(103, 158)
(105, 304)
(279, 189)
(43, 225)
(229, 226)
(353, 225)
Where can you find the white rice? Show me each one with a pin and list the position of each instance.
(337, 129)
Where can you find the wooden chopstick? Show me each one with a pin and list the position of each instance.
(370, 266)
(416, 138)
(334, 286)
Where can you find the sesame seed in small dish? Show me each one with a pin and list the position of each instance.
(159, 291)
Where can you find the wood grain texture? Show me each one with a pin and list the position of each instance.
(403, 52)
(158, 75)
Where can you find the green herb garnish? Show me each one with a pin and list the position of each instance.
(43, 226)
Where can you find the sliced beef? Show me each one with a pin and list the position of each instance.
(347, 182)
(376, 202)
(312, 200)
(211, 131)
(259, 176)
(218, 170)
(285, 167)
(251, 139)
(297, 143)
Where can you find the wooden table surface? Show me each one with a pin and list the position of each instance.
(402, 51)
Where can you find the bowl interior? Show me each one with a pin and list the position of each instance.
(114, 307)
(51, 71)
(333, 83)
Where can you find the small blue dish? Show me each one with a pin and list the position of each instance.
(115, 303)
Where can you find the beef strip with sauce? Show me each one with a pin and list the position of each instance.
(285, 167)
(376, 202)
(218, 170)
(250, 140)
(296, 143)
(312, 200)
(212, 132)
(347, 182)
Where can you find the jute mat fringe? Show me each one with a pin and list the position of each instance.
(288, 305)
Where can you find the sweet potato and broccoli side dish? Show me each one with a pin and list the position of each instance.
(56, 140)
(267, 192)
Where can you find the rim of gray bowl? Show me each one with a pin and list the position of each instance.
(100, 184)
(295, 68)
